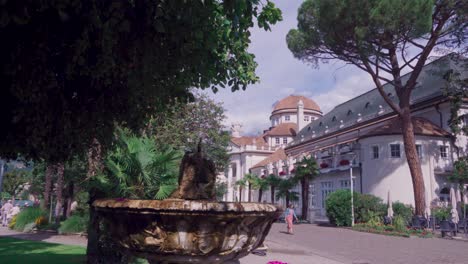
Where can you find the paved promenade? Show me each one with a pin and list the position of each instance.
(313, 244)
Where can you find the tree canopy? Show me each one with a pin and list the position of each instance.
(71, 70)
(184, 124)
(385, 38)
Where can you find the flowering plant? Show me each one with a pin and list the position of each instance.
(293, 170)
(323, 165)
(344, 162)
(282, 173)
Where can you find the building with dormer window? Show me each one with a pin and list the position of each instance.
(363, 136)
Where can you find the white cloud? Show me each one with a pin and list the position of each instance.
(281, 75)
(344, 90)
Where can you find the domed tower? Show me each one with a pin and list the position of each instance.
(296, 109)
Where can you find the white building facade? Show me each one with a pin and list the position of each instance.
(246, 152)
(363, 136)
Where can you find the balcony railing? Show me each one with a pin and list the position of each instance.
(255, 148)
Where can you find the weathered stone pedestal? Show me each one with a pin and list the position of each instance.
(186, 231)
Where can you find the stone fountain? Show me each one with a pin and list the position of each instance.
(191, 226)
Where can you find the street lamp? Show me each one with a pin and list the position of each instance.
(353, 156)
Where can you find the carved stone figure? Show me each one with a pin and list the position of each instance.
(197, 178)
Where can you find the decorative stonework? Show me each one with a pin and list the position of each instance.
(186, 231)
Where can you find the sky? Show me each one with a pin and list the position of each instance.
(281, 75)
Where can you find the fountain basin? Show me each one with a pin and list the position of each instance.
(186, 231)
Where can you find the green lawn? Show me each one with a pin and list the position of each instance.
(13, 251)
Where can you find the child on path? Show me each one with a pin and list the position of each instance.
(288, 217)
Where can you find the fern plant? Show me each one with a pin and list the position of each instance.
(136, 169)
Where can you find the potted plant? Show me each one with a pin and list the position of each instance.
(282, 173)
(344, 162)
(324, 165)
(443, 215)
(293, 171)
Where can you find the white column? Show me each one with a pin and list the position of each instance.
(300, 115)
(230, 184)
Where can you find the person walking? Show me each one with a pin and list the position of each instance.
(5, 211)
(289, 216)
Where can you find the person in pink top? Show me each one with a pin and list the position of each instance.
(289, 216)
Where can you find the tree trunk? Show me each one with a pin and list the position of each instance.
(250, 193)
(94, 252)
(48, 185)
(240, 193)
(287, 199)
(413, 162)
(260, 194)
(272, 194)
(71, 194)
(59, 204)
(305, 197)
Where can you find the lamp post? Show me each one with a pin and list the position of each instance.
(353, 156)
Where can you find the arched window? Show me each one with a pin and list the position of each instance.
(367, 105)
(334, 119)
(444, 195)
(350, 112)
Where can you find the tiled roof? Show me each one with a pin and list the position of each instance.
(421, 127)
(247, 140)
(291, 101)
(279, 154)
(283, 129)
(371, 105)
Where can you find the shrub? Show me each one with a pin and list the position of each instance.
(442, 213)
(399, 223)
(405, 211)
(74, 224)
(367, 206)
(41, 220)
(374, 219)
(12, 223)
(338, 207)
(27, 216)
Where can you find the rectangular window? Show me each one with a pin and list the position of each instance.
(419, 150)
(345, 184)
(375, 152)
(306, 118)
(443, 152)
(287, 118)
(312, 203)
(285, 140)
(277, 140)
(327, 188)
(395, 151)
